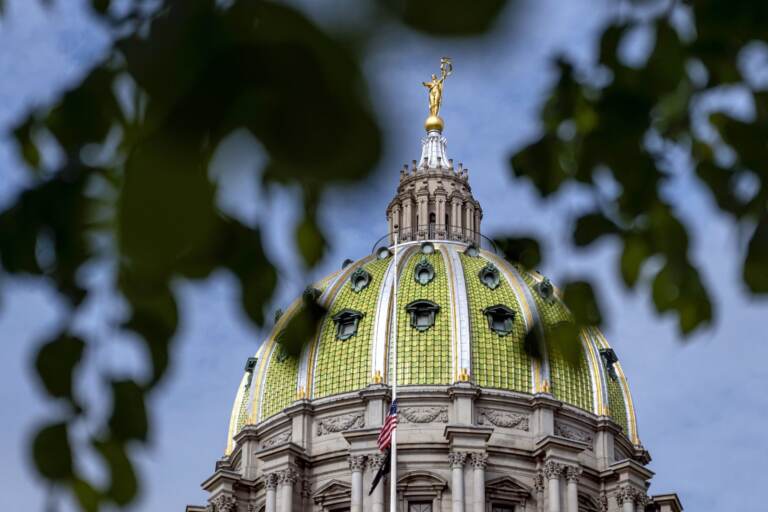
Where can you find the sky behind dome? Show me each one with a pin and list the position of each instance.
(700, 401)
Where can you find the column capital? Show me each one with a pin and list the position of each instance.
(572, 473)
(270, 480)
(457, 459)
(479, 460)
(356, 462)
(375, 461)
(224, 503)
(627, 494)
(552, 470)
(538, 482)
(287, 476)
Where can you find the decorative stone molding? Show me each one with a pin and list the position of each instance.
(270, 480)
(356, 462)
(424, 415)
(642, 499)
(457, 459)
(288, 477)
(569, 432)
(306, 488)
(626, 493)
(223, 503)
(552, 470)
(375, 461)
(572, 473)
(340, 423)
(252, 507)
(503, 419)
(603, 502)
(479, 460)
(282, 437)
(538, 482)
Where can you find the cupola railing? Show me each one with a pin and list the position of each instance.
(437, 232)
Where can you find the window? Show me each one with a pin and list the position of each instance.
(609, 359)
(489, 276)
(422, 314)
(546, 290)
(424, 272)
(501, 319)
(359, 280)
(346, 323)
(420, 506)
(472, 251)
(502, 508)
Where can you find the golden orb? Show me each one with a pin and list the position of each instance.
(434, 123)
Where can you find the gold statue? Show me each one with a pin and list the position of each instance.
(435, 87)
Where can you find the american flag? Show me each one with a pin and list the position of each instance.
(385, 436)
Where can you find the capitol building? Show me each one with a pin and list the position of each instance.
(492, 416)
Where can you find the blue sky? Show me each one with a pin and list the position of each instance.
(701, 406)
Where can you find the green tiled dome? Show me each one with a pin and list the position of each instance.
(463, 341)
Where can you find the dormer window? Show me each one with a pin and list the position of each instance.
(424, 272)
(501, 319)
(346, 321)
(489, 276)
(609, 360)
(472, 251)
(422, 313)
(359, 280)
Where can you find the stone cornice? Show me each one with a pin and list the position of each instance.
(220, 477)
(299, 407)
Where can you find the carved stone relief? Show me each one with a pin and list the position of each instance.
(569, 432)
(282, 437)
(424, 415)
(503, 419)
(340, 423)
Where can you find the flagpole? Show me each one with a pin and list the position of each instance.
(393, 474)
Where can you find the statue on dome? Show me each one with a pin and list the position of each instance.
(435, 86)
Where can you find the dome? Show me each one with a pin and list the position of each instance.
(463, 314)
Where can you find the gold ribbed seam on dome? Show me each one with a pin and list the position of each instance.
(344, 365)
(619, 394)
(497, 361)
(424, 357)
(570, 383)
(457, 308)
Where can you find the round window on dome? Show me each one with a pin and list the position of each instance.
(427, 248)
(472, 251)
(489, 276)
(383, 253)
(359, 280)
(424, 272)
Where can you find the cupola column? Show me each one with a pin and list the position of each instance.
(456, 459)
(479, 460)
(270, 483)
(356, 465)
(572, 474)
(552, 472)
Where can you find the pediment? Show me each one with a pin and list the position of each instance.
(332, 491)
(508, 486)
(421, 480)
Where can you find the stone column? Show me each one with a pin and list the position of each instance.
(456, 460)
(270, 482)
(356, 465)
(377, 498)
(572, 474)
(552, 471)
(287, 479)
(625, 497)
(479, 460)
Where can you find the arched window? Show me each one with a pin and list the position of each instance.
(422, 313)
(501, 319)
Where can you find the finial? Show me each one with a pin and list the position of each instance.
(464, 375)
(435, 86)
(545, 386)
(301, 394)
(377, 379)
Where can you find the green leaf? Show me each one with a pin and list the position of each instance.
(634, 254)
(525, 251)
(540, 163)
(129, 416)
(55, 364)
(582, 302)
(123, 486)
(52, 453)
(755, 273)
(449, 17)
(592, 226)
(29, 151)
(88, 497)
(310, 241)
(563, 338)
